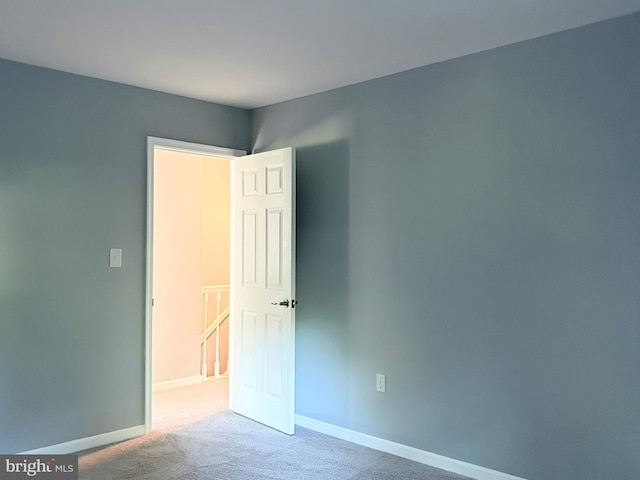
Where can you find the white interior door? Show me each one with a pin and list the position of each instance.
(263, 286)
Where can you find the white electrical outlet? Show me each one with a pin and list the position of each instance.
(381, 382)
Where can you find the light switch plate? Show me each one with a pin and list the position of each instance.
(115, 257)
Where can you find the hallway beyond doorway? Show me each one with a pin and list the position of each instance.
(179, 407)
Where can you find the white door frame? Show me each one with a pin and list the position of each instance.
(184, 147)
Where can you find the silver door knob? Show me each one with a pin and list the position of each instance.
(283, 303)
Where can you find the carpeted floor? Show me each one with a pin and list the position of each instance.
(179, 407)
(196, 437)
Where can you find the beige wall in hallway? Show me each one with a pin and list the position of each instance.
(216, 221)
(191, 249)
(216, 237)
(177, 265)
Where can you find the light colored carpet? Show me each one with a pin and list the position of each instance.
(196, 437)
(180, 407)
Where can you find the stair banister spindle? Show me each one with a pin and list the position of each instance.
(216, 368)
(204, 343)
(221, 315)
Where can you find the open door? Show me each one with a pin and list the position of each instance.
(263, 288)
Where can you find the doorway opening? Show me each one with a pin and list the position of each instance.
(261, 360)
(188, 282)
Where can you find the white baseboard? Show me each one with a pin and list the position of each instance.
(178, 382)
(404, 451)
(89, 442)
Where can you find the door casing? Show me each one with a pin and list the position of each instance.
(184, 147)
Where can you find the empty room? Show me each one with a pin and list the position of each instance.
(433, 232)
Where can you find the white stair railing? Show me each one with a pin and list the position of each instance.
(207, 330)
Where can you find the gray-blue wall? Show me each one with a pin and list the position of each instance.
(472, 230)
(72, 185)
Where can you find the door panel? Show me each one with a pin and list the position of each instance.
(250, 249)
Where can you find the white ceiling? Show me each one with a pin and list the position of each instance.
(251, 53)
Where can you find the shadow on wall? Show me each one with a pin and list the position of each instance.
(322, 279)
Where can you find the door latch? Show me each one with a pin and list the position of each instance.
(285, 303)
